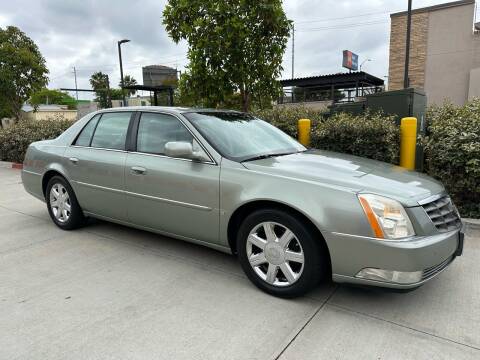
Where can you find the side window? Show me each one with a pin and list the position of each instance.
(86, 134)
(155, 130)
(111, 131)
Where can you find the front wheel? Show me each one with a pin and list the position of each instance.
(62, 204)
(279, 253)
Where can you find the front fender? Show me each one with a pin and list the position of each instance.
(330, 208)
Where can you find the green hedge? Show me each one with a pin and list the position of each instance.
(15, 139)
(370, 135)
(452, 150)
(286, 117)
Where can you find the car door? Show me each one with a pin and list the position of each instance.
(96, 164)
(173, 195)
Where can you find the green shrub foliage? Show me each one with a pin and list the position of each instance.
(370, 135)
(452, 150)
(14, 140)
(286, 117)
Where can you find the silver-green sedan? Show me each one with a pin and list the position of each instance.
(233, 182)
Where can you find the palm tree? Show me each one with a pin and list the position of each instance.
(129, 80)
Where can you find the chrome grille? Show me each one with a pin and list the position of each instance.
(431, 271)
(443, 214)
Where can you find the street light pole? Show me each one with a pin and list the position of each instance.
(363, 62)
(121, 67)
(293, 50)
(406, 82)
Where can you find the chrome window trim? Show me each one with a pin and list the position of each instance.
(143, 196)
(212, 160)
(173, 158)
(98, 148)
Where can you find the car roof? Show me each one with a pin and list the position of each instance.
(167, 109)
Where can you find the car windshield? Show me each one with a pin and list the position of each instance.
(242, 137)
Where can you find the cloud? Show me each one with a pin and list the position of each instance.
(84, 34)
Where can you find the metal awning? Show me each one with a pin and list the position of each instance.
(339, 81)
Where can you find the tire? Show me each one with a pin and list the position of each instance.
(73, 217)
(278, 268)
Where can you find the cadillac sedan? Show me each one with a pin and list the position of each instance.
(230, 181)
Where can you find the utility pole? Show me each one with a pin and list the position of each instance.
(76, 87)
(109, 94)
(406, 82)
(293, 50)
(121, 68)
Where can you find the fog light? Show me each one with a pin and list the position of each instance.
(399, 277)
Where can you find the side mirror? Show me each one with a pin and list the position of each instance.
(184, 149)
(179, 149)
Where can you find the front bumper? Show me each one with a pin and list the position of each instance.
(393, 264)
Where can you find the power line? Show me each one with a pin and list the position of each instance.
(347, 17)
(343, 27)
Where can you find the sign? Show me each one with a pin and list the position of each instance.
(350, 60)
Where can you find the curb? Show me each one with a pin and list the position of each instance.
(10, 165)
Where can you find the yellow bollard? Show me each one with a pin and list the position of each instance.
(304, 131)
(408, 142)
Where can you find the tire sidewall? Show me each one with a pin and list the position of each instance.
(76, 214)
(312, 271)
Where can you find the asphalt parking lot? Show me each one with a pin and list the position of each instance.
(110, 292)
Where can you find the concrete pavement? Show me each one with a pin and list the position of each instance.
(110, 292)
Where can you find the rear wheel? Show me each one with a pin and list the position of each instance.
(63, 205)
(279, 253)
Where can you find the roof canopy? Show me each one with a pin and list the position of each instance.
(339, 81)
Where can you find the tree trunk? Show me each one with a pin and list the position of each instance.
(245, 100)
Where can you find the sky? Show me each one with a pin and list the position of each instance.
(84, 34)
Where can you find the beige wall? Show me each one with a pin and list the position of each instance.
(52, 115)
(452, 53)
(444, 50)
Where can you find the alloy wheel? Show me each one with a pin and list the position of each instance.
(60, 203)
(275, 254)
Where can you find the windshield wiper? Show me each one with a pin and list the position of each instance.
(266, 156)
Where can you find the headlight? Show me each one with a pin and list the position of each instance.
(387, 217)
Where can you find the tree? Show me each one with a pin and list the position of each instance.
(128, 81)
(234, 47)
(46, 96)
(100, 84)
(22, 70)
(116, 94)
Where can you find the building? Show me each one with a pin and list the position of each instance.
(444, 53)
(48, 112)
(159, 75)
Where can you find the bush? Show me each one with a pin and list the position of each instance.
(286, 117)
(371, 135)
(15, 139)
(452, 150)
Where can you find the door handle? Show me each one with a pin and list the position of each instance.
(138, 170)
(73, 160)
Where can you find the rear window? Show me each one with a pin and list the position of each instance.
(86, 134)
(111, 131)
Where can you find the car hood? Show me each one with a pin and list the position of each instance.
(351, 172)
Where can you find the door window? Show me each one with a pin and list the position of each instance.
(86, 134)
(111, 131)
(155, 130)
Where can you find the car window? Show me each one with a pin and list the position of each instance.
(111, 131)
(86, 134)
(155, 130)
